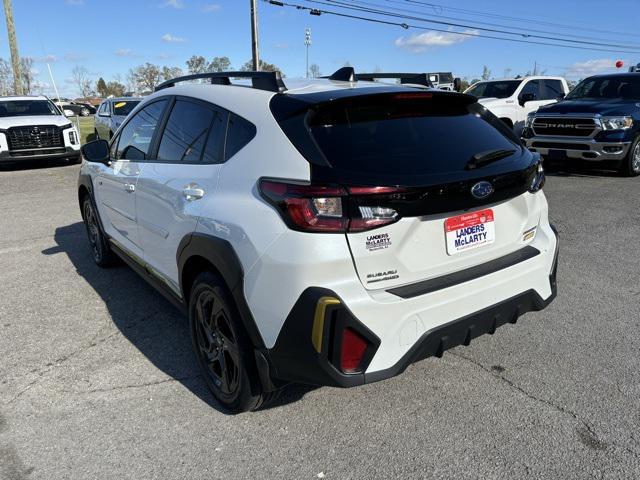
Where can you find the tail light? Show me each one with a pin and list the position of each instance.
(329, 209)
(352, 351)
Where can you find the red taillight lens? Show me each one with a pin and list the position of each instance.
(352, 351)
(329, 209)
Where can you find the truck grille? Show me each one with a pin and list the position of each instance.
(565, 127)
(34, 137)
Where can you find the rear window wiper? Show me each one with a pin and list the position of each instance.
(481, 159)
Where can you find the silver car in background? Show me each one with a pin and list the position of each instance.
(111, 114)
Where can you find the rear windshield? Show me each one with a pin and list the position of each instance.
(500, 89)
(407, 134)
(124, 108)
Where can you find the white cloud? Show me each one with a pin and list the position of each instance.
(210, 8)
(46, 59)
(421, 42)
(590, 67)
(74, 57)
(167, 37)
(173, 4)
(123, 52)
(75, 3)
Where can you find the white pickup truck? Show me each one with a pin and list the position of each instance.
(512, 100)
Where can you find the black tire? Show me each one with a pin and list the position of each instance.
(630, 166)
(100, 250)
(222, 347)
(84, 112)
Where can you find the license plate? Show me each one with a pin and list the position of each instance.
(556, 155)
(469, 231)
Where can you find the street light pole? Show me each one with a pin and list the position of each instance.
(13, 47)
(307, 42)
(255, 58)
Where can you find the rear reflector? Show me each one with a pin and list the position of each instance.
(352, 351)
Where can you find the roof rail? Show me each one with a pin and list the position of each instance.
(269, 81)
(415, 78)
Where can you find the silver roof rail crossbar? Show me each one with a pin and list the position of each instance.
(269, 81)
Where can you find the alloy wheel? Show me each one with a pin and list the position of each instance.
(217, 343)
(635, 159)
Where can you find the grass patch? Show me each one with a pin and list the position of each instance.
(86, 127)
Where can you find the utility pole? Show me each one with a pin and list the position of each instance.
(13, 46)
(255, 58)
(307, 42)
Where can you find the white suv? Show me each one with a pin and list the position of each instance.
(330, 233)
(33, 128)
(511, 100)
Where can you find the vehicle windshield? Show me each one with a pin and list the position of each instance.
(124, 108)
(23, 108)
(497, 89)
(626, 87)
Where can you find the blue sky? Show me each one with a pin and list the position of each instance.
(109, 37)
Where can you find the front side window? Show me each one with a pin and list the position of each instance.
(185, 136)
(531, 88)
(497, 89)
(135, 138)
(552, 90)
(23, 108)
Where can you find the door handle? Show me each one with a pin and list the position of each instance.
(129, 187)
(192, 192)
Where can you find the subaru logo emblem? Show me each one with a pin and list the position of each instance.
(481, 190)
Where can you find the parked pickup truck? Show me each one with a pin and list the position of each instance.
(598, 121)
(512, 100)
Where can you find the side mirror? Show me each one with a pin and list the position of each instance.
(562, 95)
(96, 151)
(526, 97)
(457, 84)
(68, 113)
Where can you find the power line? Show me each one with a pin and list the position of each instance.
(506, 17)
(406, 26)
(403, 2)
(350, 6)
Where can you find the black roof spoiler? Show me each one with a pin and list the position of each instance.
(269, 81)
(348, 74)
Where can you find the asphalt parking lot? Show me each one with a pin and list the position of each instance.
(97, 377)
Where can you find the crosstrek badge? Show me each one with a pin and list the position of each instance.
(470, 230)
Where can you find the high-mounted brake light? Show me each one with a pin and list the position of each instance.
(329, 209)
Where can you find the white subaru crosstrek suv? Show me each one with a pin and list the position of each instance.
(33, 128)
(330, 233)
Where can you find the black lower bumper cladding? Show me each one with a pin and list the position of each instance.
(293, 357)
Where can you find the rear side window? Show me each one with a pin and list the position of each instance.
(135, 138)
(406, 134)
(239, 133)
(185, 135)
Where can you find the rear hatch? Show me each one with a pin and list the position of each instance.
(434, 182)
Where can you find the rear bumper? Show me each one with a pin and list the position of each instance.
(580, 148)
(43, 154)
(294, 357)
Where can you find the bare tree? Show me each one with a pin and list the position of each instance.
(80, 76)
(196, 64)
(264, 67)
(314, 70)
(28, 77)
(6, 77)
(486, 73)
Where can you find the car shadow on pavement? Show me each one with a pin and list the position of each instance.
(34, 165)
(145, 318)
(578, 169)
